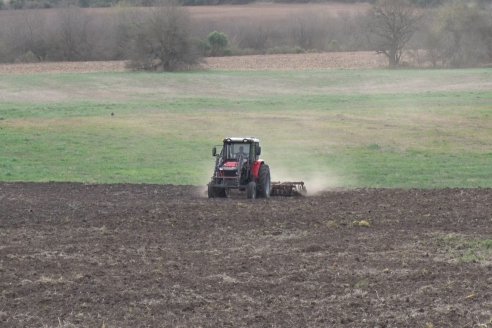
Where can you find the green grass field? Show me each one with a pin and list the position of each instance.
(348, 128)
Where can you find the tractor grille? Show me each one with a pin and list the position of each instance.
(229, 174)
(227, 178)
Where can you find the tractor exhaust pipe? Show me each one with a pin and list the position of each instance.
(289, 188)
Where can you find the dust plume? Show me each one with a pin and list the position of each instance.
(316, 182)
(201, 191)
(206, 172)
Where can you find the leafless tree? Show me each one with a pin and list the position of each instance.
(308, 30)
(392, 24)
(23, 37)
(73, 34)
(254, 36)
(161, 41)
(30, 41)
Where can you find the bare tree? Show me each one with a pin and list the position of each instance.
(73, 35)
(254, 36)
(22, 36)
(393, 23)
(32, 38)
(307, 30)
(161, 41)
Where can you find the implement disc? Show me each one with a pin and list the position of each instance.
(289, 188)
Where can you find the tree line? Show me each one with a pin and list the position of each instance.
(39, 4)
(166, 37)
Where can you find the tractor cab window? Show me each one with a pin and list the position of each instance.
(234, 150)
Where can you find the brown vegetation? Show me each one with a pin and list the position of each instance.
(313, 61)
(289, 62)
(104, 34)
(451, 35)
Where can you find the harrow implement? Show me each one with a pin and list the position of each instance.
(290, 188)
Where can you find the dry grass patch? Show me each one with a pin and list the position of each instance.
(298, 62)
(269, 11)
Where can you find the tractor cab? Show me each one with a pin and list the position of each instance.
(248, 149)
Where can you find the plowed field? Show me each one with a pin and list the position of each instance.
(74, 255)
(288, 62)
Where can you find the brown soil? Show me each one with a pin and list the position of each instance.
(63, 67)
(298, 62)
(311, 61)
(74, 255)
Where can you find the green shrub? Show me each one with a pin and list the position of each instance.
(285, 50)
(218, 43)
(243, 51)
(28, 57)
(333, 45)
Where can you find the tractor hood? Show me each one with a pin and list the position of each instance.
(230, 165)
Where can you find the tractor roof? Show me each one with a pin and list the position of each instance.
(241, 139)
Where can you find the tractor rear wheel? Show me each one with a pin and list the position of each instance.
(264, 183)
(251, 190)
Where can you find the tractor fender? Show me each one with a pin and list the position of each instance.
(255, 170)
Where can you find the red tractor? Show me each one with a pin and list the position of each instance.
(238, 166)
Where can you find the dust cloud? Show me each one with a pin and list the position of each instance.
(206, 173)
(201, 191)
(316, 182)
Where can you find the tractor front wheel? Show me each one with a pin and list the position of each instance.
(251, 190)
(214, 192)
(211, 192)
(264, 183)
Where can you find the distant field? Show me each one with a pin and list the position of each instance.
(269, 11)
(348, 128)
(285, 62)
(265, 11)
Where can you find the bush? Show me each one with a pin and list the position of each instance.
(243, 52)
(202, 46)
(218, 43)
(28, 57)
(285, 50)
(333, 45)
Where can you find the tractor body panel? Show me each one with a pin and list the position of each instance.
(255, 170)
